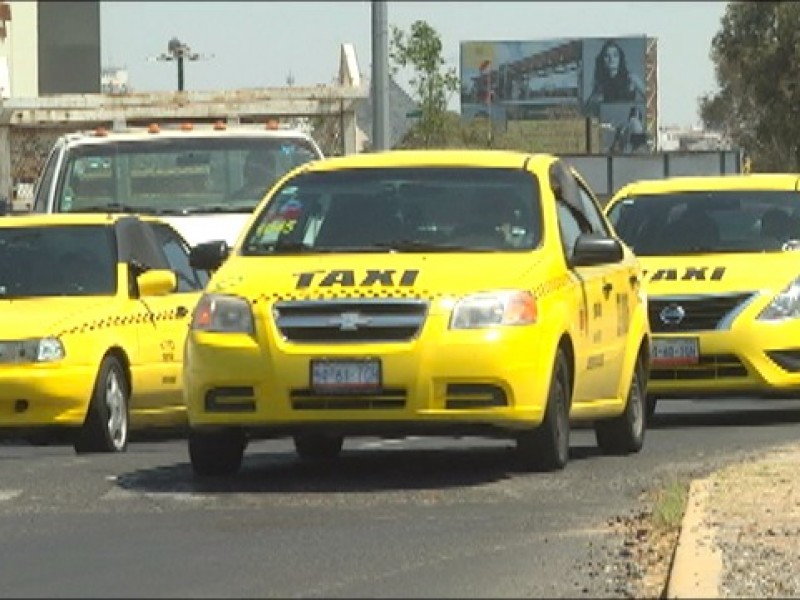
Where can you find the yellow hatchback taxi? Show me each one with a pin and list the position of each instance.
(94, 311)
(722, 279)
(438, 292)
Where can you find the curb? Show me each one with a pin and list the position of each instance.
(696, 570)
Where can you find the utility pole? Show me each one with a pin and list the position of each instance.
(179, 52)
(380, 76)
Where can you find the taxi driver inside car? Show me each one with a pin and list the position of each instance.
(363, 298)
(722, 280)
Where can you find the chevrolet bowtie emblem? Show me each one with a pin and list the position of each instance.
(349, 321)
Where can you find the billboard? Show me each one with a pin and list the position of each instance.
(603, 78)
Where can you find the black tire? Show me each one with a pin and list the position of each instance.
(107, 424)
(318, 446)
(216, 453)
(624, 434)
(546, 448)
(650, 408)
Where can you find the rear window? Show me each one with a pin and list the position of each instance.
(79, 260)
(401, 209)
(716, 221)
(177, 176)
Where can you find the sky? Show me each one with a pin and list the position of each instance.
(260, 44)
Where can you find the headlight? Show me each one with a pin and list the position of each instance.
(498, 308)
(34, 350)
(785, 305)
(223, 314)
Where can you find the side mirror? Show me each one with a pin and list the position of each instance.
(208, 256)
(593, 249)
(156, 282)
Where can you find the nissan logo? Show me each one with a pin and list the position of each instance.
(672, 314)
(349, 321)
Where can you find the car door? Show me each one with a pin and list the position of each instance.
(619, 286)
(591, 355)
(180, 304)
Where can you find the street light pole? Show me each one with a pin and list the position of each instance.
(179, 52)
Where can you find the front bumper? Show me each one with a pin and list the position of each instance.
(44, 394)
(757, 360)
(493, 377)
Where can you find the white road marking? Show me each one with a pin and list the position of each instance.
(9, 494)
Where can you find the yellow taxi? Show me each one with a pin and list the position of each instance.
(434, 292)
(722, 279)
(94, 311)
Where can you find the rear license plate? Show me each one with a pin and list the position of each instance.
(335, 376)
(675, 351)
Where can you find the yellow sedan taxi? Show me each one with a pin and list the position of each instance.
(94, 311)
(722, 279)
(439, 292)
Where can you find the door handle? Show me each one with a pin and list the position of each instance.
(181, 311)
(607, 287)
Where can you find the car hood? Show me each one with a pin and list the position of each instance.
(381, 275)
(719, 273)
(198, 228)
(24, 318)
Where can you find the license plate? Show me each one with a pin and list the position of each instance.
(333, 376)
(675, 351)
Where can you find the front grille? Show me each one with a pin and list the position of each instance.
(363, 320)
(700, 313)
(710, 366)
(387, 399)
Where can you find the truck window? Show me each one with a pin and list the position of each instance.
(191, 175)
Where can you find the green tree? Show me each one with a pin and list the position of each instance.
(421, 50)
(756, 55)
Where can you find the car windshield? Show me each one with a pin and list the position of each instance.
(43, 261)
(401, 210)
(709, 221)
(177, 176)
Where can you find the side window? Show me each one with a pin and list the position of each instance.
(177, 253)
(591, 211)
(45, 183)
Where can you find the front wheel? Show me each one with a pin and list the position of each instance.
(546, 448)
(107, 420)
(624, 434)
(216, 453)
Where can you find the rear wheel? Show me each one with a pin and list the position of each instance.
(106, 426)
(216, 453)
(624, 434)
(546, 448)
(318, 446)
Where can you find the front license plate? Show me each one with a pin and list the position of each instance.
(332, 376)
(675, 351)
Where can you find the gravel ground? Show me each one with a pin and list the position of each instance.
(754, 519)
(755, 515)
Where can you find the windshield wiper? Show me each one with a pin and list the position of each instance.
(217, 208)
(114, 207)
(278, 247)
(419, 246)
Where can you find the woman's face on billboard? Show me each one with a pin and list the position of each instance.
(611, 59)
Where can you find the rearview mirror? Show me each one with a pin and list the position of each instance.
(208, 256)
(593, 249)
(156, 282)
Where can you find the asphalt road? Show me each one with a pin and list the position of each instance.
(391, 518)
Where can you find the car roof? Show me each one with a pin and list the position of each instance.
(71, 219)
(750, 181)
(431, 158)
(142, 133)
